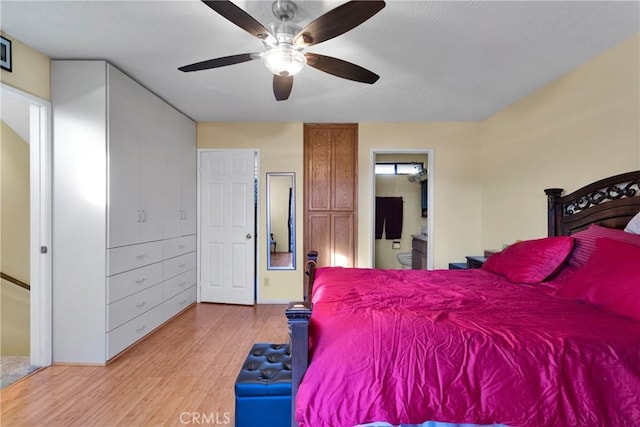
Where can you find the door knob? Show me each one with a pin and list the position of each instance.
(249, 235)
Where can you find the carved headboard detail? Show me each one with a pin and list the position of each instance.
(610, 202)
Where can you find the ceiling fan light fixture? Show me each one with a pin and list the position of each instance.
(284, 60)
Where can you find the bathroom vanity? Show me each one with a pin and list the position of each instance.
(419, 252)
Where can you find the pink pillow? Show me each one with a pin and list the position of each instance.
(586, 242)
(531, 261)
(611, 278)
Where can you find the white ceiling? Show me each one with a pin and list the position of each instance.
(438, 60)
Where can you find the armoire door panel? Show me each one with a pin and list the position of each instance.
(318, 236)
(318, 163)
(124, 153)
(152, 177)
(188, 177)
(172, 161)
(342, 236)
(344, 169)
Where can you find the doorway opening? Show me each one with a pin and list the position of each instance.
(26, 231)
(401, 205)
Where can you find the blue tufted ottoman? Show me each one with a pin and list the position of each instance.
(263, 387)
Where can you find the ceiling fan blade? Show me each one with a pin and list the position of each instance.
(241, 18)
(337, 21)
(282, 86)
(220, 62)
(340, 68)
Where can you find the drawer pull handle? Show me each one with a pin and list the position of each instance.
(182, 284)
(139, 330)
(142, 304)
(182, 246)
(183, 302)
(141, 281)
(140, 257)
(183, 265)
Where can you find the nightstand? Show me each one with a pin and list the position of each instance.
(457, 266)
(475, 261)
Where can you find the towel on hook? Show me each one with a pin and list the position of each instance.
(389, 211)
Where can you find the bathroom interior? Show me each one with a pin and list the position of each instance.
(400, 176)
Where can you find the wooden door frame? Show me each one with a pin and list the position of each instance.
(430, 152)
(256, 280)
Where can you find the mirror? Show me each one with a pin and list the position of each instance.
(281, 221)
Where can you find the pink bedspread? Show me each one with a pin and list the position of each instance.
(407, 346)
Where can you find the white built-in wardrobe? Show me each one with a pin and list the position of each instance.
(124, 211)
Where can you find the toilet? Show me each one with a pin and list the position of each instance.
(405, 260)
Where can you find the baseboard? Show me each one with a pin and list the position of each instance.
(275, 301)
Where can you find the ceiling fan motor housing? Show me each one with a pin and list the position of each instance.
(283, 32)
(284, 10)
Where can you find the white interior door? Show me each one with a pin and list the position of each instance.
(227, 226)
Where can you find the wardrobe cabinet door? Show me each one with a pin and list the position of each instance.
(344, 169)
(330, 183)
(343, 239)
(188, 177)
(152, 177)
(124, 215)
(172, 168)
(318, 155)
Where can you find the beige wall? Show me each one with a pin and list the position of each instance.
(14, 241)
(31, 70)
(412, 221)
(580, 128)
(280, 146)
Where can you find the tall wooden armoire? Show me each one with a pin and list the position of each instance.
(330, 192)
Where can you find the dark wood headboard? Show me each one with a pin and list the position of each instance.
(610, 202)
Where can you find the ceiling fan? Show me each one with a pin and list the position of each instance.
(285, 42)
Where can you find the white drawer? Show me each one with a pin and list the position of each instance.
(134, 305)
(179, 283)
(179, 302)
(129, 257)
(127, 334)
(127, 283)
(179, 246)
(178, 265)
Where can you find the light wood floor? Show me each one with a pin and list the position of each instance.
(185, 370)
(281, 259)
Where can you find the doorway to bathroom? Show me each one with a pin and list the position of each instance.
(402, 206)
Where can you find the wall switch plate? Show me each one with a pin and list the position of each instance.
(395, 245)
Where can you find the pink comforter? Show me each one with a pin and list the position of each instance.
(407, 346)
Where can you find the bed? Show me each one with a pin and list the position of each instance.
(547, 333)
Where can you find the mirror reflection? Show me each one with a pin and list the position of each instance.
(281, 232)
